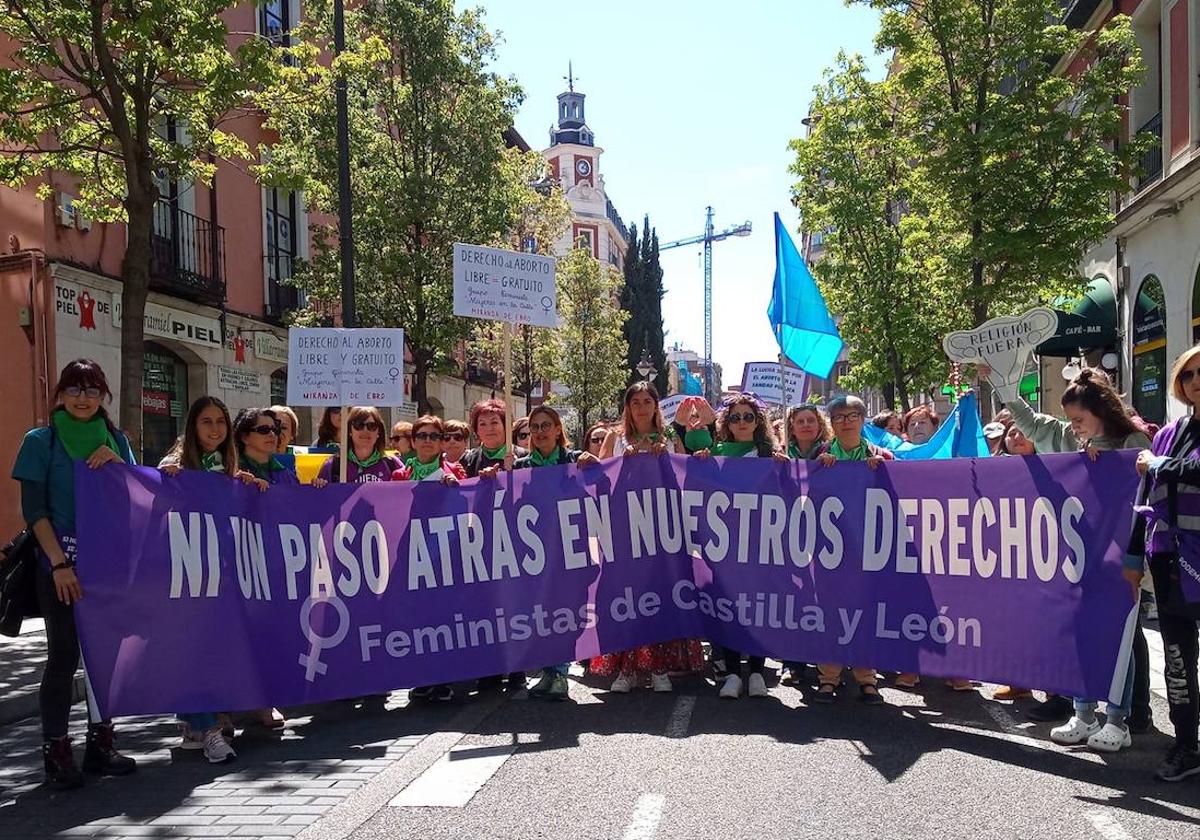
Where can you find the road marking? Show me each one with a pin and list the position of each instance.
(646, 817)
(1106, 826)
(452, 780)
(681, 716)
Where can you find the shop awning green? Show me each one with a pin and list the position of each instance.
(1088, 324)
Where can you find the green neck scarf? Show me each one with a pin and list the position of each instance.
(796, 453)
(420, 471)
(538, 460)
(82, 437)
(735, 449)
(697, 439)
(634, 437)
(212, 462)
(858, 453)
(365, 463)
(496, 454)
(262, 471)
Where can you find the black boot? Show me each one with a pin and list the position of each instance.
(101, 756)
(61, 772)
(1055, 708)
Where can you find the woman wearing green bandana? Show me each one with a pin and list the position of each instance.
(642, 428)
(79, 430)
(742, 432)
(428, 463)
(255, 433)
(549, 447)
(494, 453)
(366, 461)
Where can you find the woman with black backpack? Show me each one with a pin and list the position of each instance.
(79, 430)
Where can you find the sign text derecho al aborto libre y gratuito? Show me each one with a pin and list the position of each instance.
(498, 285)
(334, 366)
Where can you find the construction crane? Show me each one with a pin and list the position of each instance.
(708, 238)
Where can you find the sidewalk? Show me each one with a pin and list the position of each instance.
(21, 661)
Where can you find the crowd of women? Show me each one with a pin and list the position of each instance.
(252, 448)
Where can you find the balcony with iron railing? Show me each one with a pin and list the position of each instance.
(1150, 167)
(282, 297)
(187, 255)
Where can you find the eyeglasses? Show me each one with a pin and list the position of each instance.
(597, 439)
(427, 436)
(748, 417)
(74, 391)
(367, 425)
(266, 429)
(544, 426)
(459, 436)
(848, 417)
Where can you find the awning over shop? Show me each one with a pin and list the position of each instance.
(1090, 323)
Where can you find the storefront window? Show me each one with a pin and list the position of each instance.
(1150, 351)
(164, 401)
(279, 387)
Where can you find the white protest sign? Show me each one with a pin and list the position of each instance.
(500, 285)
(762, 378)
(333, 366)
(1004, 344)
(670, 405)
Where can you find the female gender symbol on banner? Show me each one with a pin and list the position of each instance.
(312, 660)
(1003, 344)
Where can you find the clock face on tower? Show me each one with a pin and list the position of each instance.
(583, 167)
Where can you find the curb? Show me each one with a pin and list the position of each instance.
(23, 703)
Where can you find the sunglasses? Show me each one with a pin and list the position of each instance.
(1185, 377)
(76, 391)
(427, 436)
(265, 429)
(597, 439)
(849, 417)
(368, 425)
(459, 436)
(544, 426)
(748, 417)
(398, 438)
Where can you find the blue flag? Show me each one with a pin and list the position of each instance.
(805, 332)
(959, 436)
(688, 382)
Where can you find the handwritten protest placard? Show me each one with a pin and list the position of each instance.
(333, 366)
(499, 285)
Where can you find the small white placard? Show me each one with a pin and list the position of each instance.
(333, 366)
(499, 285)
(762, 378)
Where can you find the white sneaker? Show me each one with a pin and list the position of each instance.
(623, 684)
(1111, 738)
(731, 689)
(756, 686)
(661, 683)
(1074, 731)
(192, 740)
(216, 748)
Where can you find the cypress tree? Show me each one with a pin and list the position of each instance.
(642, 298)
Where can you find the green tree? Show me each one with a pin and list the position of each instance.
(587, 352)
(429, 166)
(642, 297)
(89, 93)
(1020, 149)
(879, 269)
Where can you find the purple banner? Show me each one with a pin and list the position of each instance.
(204, 594)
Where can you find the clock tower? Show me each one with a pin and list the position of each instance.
(574, 160)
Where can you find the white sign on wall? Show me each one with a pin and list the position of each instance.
(499, 285)
(238, 379)
(333, 366)
(762, 378)
(1004, 344)
(268, 346)
(165, 322)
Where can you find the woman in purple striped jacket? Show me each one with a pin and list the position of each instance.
(1169, 536)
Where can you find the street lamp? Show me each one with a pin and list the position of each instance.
(646, 367)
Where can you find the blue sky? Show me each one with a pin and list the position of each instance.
(694, 104)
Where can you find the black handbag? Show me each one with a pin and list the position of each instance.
(18, 582)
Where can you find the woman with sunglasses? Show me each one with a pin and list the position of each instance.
(520, 433)
(289, 427)
(366, 461)
(401, 440)
(455, 437)
(329, 430)
(1171, 466)
(550, 448)
(595, 437)
(206, 445)
(79, 431)
(428, 463)
(255, 432)
(742, 432)
(493, 454)
(642, 430)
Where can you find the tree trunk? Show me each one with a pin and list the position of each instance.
(135, 286)
(420, 387)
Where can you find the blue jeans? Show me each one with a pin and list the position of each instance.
(199, 721)
(1116, 714)
(561, 670)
